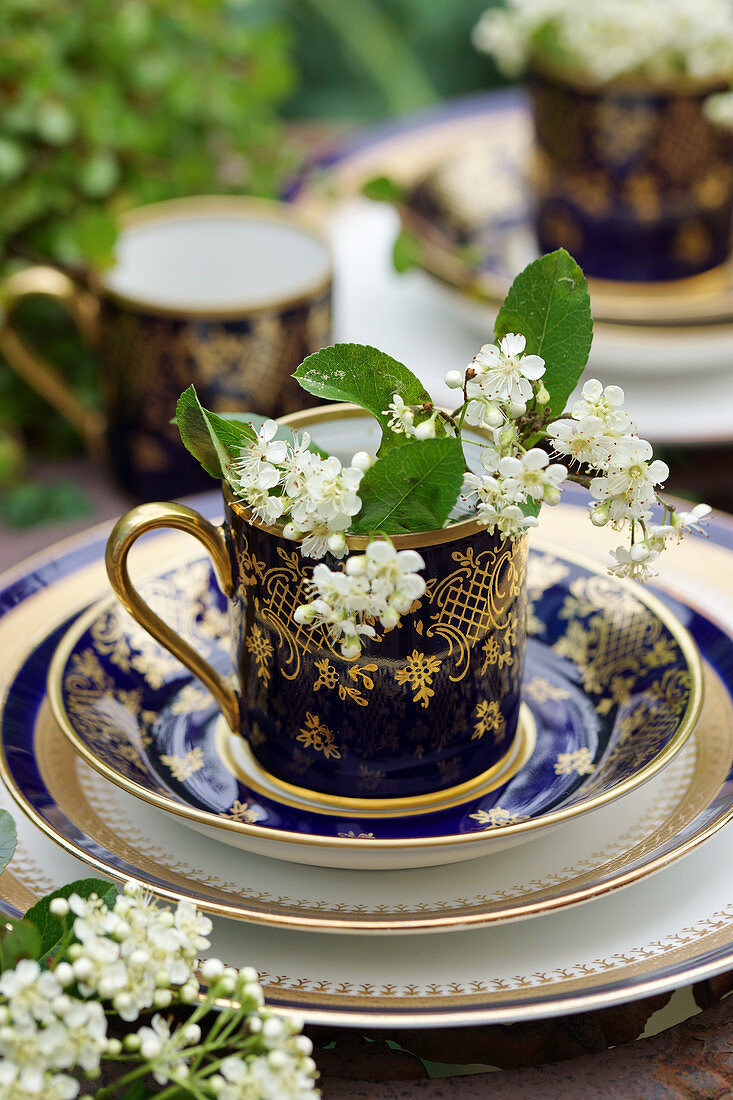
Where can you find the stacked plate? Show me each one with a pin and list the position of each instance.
(121, 764)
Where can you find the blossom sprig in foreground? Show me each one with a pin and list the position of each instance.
(127, 961)
(597, 441)
(381, 584)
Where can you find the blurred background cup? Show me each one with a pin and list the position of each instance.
(634, 180)
(227, 293)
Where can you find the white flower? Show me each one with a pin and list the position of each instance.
(297, 465)
(496, 509)
(401, 417)
(503, 373)
(606, 404)
(29, 1083)
(634, 562)
(691, 521)
(530, 475)
(381, 584)
(584, 440)
(30, 992)
(264, 449)
(656, 40)
(630, 477)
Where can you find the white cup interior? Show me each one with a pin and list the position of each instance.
(217, 260)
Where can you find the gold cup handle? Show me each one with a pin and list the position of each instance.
(37, 371)
(147, 517)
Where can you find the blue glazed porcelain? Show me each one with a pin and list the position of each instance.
(612, 691)
(26, 696)
(427, 706)
(635, 182)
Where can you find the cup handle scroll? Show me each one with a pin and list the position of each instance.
(36, 371)
(147, 517)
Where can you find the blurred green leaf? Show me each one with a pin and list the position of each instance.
(31, 502)
(383, 189)
(405, 251)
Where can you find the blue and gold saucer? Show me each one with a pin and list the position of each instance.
(612, 689)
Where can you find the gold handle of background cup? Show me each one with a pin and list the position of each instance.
(29, 365)
(147, 517)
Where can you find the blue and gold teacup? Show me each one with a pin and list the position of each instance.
(228, 293)
(633, 179)
(428, 711)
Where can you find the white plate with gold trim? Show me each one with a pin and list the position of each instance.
(661, 933)
(113, 832)
(612, 683)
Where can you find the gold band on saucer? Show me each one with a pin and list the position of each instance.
(289, 794)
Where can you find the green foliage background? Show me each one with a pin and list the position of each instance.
(109, 104)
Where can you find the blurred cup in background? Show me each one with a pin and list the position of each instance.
(227, 293)
(633, 179)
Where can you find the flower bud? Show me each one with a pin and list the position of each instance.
(162, 998)
(492, 416)
(426, 430)
(454, 380)
(362, 460)
(351, 649)
(290, 531)
(516, 409)
(150, 1047)
(543, 396)
(64, 974)
(551, 495)
(356, 565)
(337, 544)
(599, 515)
(59, 907)
(214, 968)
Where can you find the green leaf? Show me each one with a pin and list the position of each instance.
(406, 251)
(549, 304)
(8, 839)
(140, 1091)
(30, 502)
(51, 928)
(95, 233)
(383, 189)
(411, 488)
(23, 941)
(367, 377)
(211, 439)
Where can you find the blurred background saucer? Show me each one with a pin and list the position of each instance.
(677, 378)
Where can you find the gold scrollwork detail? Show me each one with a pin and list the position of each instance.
(476, 600)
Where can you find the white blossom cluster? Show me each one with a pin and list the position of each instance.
(317, 497)
(380, 584)
(498, 385)
(602, 40)
(130, 959)
(600, 434)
